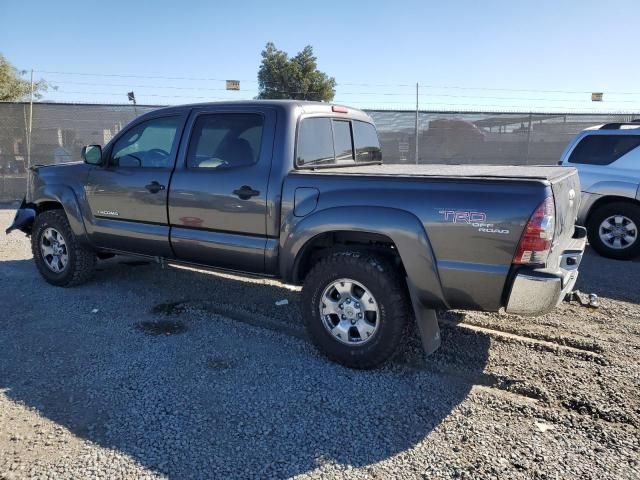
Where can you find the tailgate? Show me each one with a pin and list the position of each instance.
(566, 195)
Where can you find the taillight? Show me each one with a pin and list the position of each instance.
(338, 109)
(536, 240)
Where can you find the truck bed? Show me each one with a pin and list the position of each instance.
(473, 259)
(525, 172)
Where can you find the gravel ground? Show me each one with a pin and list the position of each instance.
(151, 373)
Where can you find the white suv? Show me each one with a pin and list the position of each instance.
(608, 160)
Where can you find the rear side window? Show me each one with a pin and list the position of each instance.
(603, 149)
(326, 141)
(225, 140)
(315, 142)
(366, 142)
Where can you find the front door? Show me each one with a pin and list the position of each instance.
(128, 195)
(217, 202)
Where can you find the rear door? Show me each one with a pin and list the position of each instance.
(218, 195)
(128, 195)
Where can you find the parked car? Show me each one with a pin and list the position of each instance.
(608, 161)
(296, 191)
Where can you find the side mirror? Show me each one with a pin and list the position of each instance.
(92, 154)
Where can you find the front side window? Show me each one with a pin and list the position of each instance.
(225, 140)
(149, 144)
(603, 149)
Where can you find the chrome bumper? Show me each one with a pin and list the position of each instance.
(536, 292)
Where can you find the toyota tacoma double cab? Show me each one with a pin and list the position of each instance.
(297, 191)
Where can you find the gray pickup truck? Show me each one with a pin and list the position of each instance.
(297, 191)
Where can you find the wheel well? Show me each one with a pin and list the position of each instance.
(48, 205)
(321, 245)
(607, 200)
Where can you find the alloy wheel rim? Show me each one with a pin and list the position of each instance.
(54, 250)
(618, 232)
(349, 312)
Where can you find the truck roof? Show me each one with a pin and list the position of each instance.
(290, 106)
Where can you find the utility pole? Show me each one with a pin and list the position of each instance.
(529, 135)
(30, 123)
(417, 107)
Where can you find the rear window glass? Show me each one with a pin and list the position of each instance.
(326, 141)
(366, 141)
(342, 140)
(603, 149)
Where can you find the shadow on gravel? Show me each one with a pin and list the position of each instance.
(224, 398)
(614, 279)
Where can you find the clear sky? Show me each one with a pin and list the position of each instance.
(506, 55)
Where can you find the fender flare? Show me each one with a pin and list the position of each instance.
(403, 228)
(614, 188)
(65, 196)
(606, 190)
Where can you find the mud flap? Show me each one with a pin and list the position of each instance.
(23, 219)
(427, 322)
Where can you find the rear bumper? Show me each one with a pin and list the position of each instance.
(539, 291)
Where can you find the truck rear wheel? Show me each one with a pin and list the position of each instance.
(60, 259)
(355, 308)
(614, 230)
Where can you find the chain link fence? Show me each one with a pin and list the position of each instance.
(58, 132)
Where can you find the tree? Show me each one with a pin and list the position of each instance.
(14, 88)
(299, 78)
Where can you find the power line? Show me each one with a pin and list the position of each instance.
(377, 85)
(430, 95)
(120, 75)
(521, 108)
(494, 89)
(341, 93)
(475, 105)
(141, 94)
(127, 85)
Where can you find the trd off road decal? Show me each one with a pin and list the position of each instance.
(476, 219)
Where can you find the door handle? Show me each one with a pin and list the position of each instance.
(246, 192)
(154, 187)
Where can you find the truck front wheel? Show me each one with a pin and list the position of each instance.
(60, 259)
(355, 308)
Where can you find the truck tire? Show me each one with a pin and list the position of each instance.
(355, 308)
(60, 259)
(614, 230)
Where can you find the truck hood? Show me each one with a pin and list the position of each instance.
(69, 175)
(36, 168)
(60, 169)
